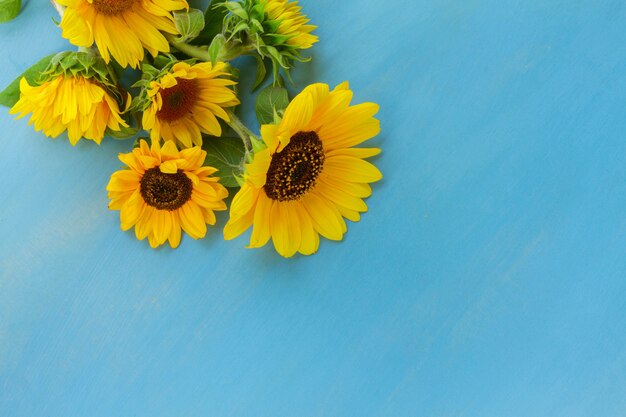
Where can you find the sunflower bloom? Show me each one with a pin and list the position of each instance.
(292, 23)
(310, 177)
(121, 28)
(185, 102)
(76, 104)
(164, 190)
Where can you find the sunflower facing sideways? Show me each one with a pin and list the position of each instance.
(164, 190)
(185, 101)
(310, 176)
(120, 28)
(80, 105)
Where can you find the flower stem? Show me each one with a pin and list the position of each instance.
(201, 53)
(244, 133)
(227, 53)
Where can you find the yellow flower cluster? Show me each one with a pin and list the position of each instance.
(299, 181)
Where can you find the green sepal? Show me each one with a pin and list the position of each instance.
(216, 48)
(162, 60)
(270, 101)
(257, 145)
(83, 64)
(9, 9)
(271, 26)
(148, 70)
(11, 94)
(241, 27)
(227, 155)
(261, 72)
(138, 140)
(124, 132)
(256, 27)
(189, 24)
(236, 9)
(257, 12)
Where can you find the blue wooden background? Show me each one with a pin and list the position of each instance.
(488, 278)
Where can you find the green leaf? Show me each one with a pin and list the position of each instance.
(213, 23)
(189, 24)
(271, 99)
(225, 154)
(11, 94)
(9, 9)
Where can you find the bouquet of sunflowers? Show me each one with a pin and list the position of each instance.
(297, 180)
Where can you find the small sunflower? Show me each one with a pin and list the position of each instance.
(164, 190)
(310, 176)
(121, 28)
(185, 101)
(80, 105)
(292, 23)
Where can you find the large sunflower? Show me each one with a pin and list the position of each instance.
(184, 103)
(164, 190)
(292, 23)
(77, 104)
(309, 177)
(121, 28)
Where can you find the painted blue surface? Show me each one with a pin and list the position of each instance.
(488, 278)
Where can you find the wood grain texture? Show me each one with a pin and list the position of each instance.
(487, 279)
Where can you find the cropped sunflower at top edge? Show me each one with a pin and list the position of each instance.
(163, 191)
(186, 100)
(277, 30)
(290, 23)
(310, 176)
(121, 29)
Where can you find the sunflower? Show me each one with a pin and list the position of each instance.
(164, 190)
(310, 176)
(74, 103)
(121, 28)
(185, 101)
(292, 23)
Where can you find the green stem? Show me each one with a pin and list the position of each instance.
(227, 53)
(231, 52)
(244, 133)
(201, 53)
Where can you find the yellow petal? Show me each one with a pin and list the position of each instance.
(285, 227)
(261, 232)
(352, 169)
(310, 239)
(324, 216)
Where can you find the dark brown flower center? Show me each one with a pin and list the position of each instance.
(178, 100)
(112, 7)
(165, 191)
(293, 170)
